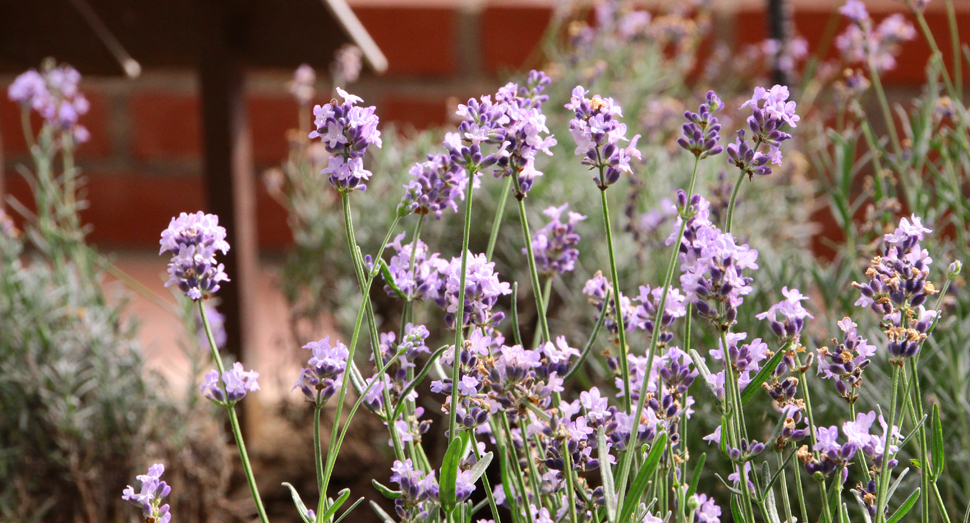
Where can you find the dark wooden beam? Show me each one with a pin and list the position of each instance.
(228, 164)
(778, 24)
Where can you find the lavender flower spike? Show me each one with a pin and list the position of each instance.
(194, 240)
(324, 372)
(53, 93)
(554, 245)
(598, 132)
(149, 499)
(347, 131)
(701, 130)
(236, 382)
(791, 312)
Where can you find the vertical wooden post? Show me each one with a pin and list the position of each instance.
(228, 166)
(778, 21)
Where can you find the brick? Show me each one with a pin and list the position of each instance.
(269, 120)
(811, 24)
(96, 121)
(165, 126)
(417, 112)
(510, 34)
(417, 41)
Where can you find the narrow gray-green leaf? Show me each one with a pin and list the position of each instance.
(385, 491)
(752, 388)
(380, 513)
(348, 511)
(606, 472)
(449, 474)
(905, 507)
(300, 507)
(342, 497)
(479, 468)
(695, 479)
(892, 489)
(862, 505)
(937, 442)
(642, 478)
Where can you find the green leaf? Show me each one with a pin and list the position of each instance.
(862, 505)
(781, 470)
(936, 441)
(895, 485)
(418, 379)
(380, 513)
(904, 508)
(341, 498)
(389, 280)
(348, 511)
(449, 473)
(695, 479)
(385, 491)
(736, 510)
(606, 472)
(300, 507)
(643, 477)
(479, 468)
(754, 386)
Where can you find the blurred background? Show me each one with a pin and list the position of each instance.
(145, 161)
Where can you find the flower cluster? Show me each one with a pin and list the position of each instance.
(712, 264)
(425, 281)
(419, 491)
(482, 121)
(834, 455)
(346, 64)
(598, 132)
(600, 293)
(436, 185)
(347, 131)
(791, 312)
(898, 286)
(701, 132)
(482, 290)
(194, 240)
(744, 359)
(554, 246)
(770, 110)
(235, 383)
(53, 93)
(877, 46)
(153, 490)
(324, 372)
(846, 362)
(646, 313)
(525, 132)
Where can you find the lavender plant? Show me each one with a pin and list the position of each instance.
(567, 452)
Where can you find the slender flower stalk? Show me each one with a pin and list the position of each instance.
(459, 322)
(533, 272)
(882, 495)
(234, 422)
(497, 221)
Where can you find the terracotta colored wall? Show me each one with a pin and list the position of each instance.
(143, 162)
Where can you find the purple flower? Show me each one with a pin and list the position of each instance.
(677, 370)
(600, 293)
(855, 11)
(770, 110)
(346, 64)
(792, 314)
(301, 87)
(847, 361)
(419, 491)
(149, 499)
(598, 132)
(436, 185)
(554, 246)
(194, 240)
(708, 511)
(324, 372)
(54, 94)
(525, 131)
(712, 265)
(347, 131)
(235, 381)
(701, 130)
(482, 121)
(426, 281)
(675, 307)
(482, 290)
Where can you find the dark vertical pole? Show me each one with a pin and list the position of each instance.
(778, 19)
(228, 166)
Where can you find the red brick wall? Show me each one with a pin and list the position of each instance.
(143, 162)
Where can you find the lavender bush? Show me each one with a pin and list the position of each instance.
(527, 439)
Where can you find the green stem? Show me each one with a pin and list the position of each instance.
(234, 422)
(571, 494)
(617, 308)
(459, 312)
(497, 222)
(488, 488)
(655, 338)
(783, 486)
(533, 272)
(734, 199)
(801, 492)
(247, 467)
(318, 458)
(881, 498)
